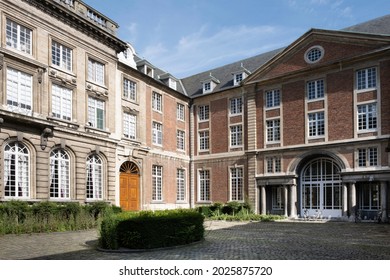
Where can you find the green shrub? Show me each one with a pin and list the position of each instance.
(147, 229)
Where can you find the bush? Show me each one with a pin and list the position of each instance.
(21, 217)
(147, 229)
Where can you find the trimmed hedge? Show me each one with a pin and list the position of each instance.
(149, 230)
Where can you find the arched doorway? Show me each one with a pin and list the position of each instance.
(129, 187)
(321, 188)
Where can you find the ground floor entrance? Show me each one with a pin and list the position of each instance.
(129, 187)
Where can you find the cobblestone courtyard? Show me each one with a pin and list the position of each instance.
(223, 241)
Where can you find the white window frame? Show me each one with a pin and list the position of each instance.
(236, 136)
(207, 87)
(273, 165)
(129, 126)
(236, 106)
(237, 184)
(129, 90)
(180, 112)
(157, 133)
(16, 161)
(368, 157)
(94, 179)
(364, 79)
(60, 165)
(272, 98)
(204, 140)
(238, 77)
(61, 102)
(157, 101)
(61, 56)
(19, 91)
(204, 185)
(96, 108)
(315, 89)
(180, 185)
(96, 71)
(273, 130)
(367, 120)
(180, 140)
(315, 123)
(14, 38)
(157, 183)
(203, 113)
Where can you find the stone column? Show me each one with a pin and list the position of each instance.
(285, 200)
(352, 199)
(384, 200)
(345, 201)
(293, 201)
(263, 201)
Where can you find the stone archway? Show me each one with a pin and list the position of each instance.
(129, 186)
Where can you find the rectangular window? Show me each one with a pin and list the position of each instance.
(207, 87)
(236, 135)
(96, 113)
(19, 91)
(366, 78)
(129, 90)
(180, 110)
(157, 133)
(61, 102)
(204, 138)
(204, 112)
(238, 78)
(236, 106)
(315, 89)
(18, 37)
(157, 101)
(61, 56)
(130, 126)
(96, 18)
(180, 185)
(237, 184)
(368, 157)
(157, 183)
(274, 164)
(204, 185)
(96, 71)
(180, 141)
(273, 130)
(272, 98)
(316, 124)
(367, 117)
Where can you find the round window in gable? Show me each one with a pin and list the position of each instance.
(314, 54)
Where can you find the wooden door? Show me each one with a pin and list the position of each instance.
(129, 192)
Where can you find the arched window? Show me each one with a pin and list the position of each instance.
(94, 177)
(59, 174)
(16, 170)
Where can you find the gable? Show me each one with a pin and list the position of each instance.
(319, 48)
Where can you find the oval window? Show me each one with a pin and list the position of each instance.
(314, 54)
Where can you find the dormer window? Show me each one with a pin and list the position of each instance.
(148, 71)
(127, 56)
(172, 83)
(240, 75)
(210, 84)
(238, 78)
(207, 87)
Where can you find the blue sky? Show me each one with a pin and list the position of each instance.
(186, 37)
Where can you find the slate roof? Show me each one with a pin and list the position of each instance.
(192, 86)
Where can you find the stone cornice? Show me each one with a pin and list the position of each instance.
(79, 22)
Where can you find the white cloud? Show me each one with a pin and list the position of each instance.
(201, 51)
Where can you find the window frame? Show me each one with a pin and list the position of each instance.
(237, 184)
(180, 185)
(129, 88)
(18, 85)
(368, 157)
(204, 185)
(64, 165)
(203, 113)
(94, 74)
(367, 121)
(65, 62)
(94, 164)
(130, 126)
(10, 40)
(273, 131)
(236, 136)
(236, 106)
(204, 140)
(367, 83)
(180, 112)
(95, 109)
(319, 90)
(273, 98)
(316, 128)
(157, 133)
(157, 101)
(157, 183)
(64, 102)
(180, 140)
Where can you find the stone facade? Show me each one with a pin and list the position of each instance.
(298, 131)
